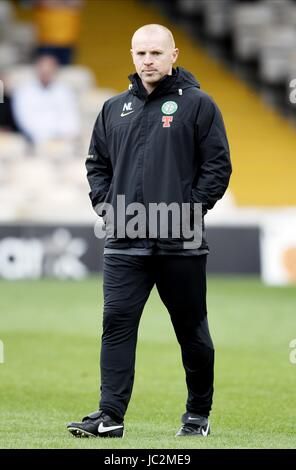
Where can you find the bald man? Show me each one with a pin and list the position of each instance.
(160, 43)
(160, 144)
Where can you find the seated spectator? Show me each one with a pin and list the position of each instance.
(7, 121)
(45, 109)
(58, 25)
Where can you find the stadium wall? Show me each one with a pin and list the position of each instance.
(73, 251)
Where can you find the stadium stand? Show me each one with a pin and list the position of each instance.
(43, 182)
(228, 45)
(58, 27)
(248, 137)
(228, 65)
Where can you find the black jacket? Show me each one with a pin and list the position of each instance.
(135, 153)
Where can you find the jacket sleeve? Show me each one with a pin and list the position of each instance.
(98, 163)
(214, 165)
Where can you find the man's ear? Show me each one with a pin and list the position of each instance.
(175, 54)
(132, 55)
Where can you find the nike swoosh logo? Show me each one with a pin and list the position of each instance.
(205, 433)
(196, 419)
(125, 114)
(103, 428)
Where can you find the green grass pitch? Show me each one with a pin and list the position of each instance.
(51, 332)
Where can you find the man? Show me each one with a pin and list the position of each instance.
(161, 142)
(45, 109)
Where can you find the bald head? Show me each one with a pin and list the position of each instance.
(149, 30)
(154, 53)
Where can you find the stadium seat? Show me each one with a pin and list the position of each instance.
(276, 48)
(56, 150)
(78, 77)
(23, 36)
(9, 55)
(74, 174)
(283, 10)
(6, 12)
(31, 173)
(190, 7)
(12, 146)
(91, 101)
(248, 22)
(10, 202)
(62, 205)
(18, 75)
(217, 17)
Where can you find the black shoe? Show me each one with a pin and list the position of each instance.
(194, 425)
(97, 424)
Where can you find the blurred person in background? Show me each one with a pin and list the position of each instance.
(7, 121)
(161, 142)
(45, 109)
(58, 27)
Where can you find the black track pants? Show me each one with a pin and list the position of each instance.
(181, 283)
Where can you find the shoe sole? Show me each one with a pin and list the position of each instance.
(195, 435)
(77, 432)
(80, 433)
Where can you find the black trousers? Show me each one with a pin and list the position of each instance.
(181, 283)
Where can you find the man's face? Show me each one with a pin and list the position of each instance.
(153, 56)
(46, 68)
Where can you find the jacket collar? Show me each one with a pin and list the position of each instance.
(165, 85)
